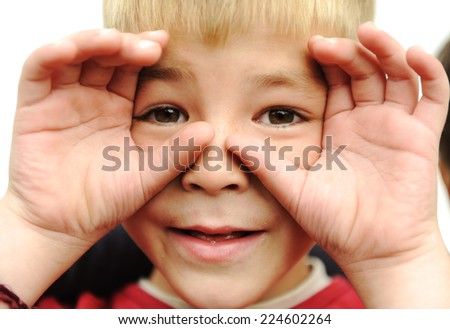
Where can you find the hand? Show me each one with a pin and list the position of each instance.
(380, 212)
(76, 97)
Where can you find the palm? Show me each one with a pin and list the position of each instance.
(369, 204)
(57, 158)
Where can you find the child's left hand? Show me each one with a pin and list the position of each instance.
(378, 217)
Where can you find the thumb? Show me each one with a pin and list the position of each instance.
(283, 178)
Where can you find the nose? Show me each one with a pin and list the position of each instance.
(215, 171)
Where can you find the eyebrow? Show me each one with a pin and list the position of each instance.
(158, 72)
(284, 79)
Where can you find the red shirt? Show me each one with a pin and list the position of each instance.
(339, 294)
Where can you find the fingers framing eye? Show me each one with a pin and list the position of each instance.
(148, 52)
(94, 75)
(83, 47)
(134, 52)
(91, 59)
(340, 96)
(366, 78)
(124, 81)
(402, 82)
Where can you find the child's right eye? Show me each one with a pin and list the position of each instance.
(164, 115)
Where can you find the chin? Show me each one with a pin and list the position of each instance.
(220, 295)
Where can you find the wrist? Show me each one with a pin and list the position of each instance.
(420, 279)
(33, 258)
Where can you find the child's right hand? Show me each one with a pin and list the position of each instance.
(76, 97)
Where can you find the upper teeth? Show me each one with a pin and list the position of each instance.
(213, 238)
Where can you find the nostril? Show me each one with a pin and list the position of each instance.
(195, 187)
(244, 169)
(233, 187)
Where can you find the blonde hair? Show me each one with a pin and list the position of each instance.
(215, 20)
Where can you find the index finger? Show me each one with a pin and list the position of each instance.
(61, 60)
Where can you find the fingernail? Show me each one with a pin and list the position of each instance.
(146, 44)
(331, 40)
(107, 31)
(157, 33)
(322, 38)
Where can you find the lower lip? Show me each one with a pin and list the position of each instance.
(221, 251)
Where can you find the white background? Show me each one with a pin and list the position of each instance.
(27, 24)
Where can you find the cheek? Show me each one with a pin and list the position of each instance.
(294, 244)
(141, 230)
(147, 134)
(147, 226)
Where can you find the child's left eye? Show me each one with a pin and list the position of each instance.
(280, 116)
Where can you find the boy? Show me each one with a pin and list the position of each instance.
(269, 153)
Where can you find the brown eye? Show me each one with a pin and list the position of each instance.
(280, 116)
(164, 114)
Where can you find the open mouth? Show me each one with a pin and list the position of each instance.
(214, 245)
(216, 237)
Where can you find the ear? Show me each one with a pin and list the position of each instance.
(445, 172)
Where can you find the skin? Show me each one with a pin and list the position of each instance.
(219, 87)
(392, 151)
(377, 219)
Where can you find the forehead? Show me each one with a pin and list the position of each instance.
(260, 57)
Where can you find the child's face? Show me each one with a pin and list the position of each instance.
(216, 235)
